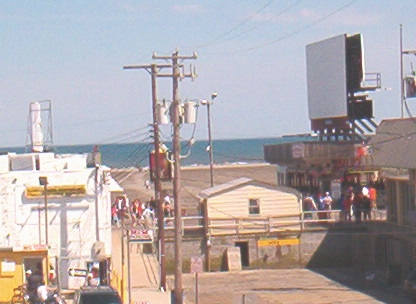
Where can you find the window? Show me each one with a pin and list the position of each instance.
(254, 206)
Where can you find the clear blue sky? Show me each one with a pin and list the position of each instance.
(252, 53)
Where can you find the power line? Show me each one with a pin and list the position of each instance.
(293, 33)
(122, 137)
(304, 28)
(235, 27)
(253, 27)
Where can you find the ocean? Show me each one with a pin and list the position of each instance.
(129, 155)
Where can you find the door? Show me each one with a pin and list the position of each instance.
(245, 259)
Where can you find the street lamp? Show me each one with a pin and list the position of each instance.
(402, 80)
(43, 181)
(210, 148)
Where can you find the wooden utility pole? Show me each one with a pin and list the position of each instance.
(153, 70)
(176, 74)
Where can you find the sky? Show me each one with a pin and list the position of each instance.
(251, 53)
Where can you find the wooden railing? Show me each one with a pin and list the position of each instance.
(264, 224)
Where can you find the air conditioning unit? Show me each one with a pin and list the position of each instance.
(98, 250)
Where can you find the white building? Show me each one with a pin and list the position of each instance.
(77, 224)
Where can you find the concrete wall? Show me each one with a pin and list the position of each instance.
(365, 247)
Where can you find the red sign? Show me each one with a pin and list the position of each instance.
(165, 167)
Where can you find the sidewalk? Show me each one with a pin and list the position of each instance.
(149, 296)
(144, 272)
(145, 277)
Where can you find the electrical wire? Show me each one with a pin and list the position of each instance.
(251, 28)
(293, 33)
(122, 137)
(235, 27)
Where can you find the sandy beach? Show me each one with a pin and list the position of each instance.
(193, 180)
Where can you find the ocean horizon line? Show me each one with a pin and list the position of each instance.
(294, 136)
(136, 154)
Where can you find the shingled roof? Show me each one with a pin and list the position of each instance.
(394, 144)
(240, 182)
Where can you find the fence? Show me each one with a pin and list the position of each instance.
(265, 224)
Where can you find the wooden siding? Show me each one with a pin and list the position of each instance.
(235, 203)
(228, 213)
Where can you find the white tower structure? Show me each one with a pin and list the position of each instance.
(39, 132)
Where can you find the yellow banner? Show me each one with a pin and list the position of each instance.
(64, 190)
(276, 242)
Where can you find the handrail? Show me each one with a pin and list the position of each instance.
(264, 224)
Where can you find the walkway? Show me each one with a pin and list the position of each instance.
(144, 271)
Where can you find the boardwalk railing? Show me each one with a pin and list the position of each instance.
(264, 224)
(337, 215)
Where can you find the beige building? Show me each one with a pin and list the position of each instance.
(248, 206)
(247, 210)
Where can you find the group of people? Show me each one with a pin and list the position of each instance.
(357, 205)
(139, 210)
(325, 202)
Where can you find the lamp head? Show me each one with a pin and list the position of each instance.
(204, 102)
(213, 95)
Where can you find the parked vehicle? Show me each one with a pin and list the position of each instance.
(97, 294)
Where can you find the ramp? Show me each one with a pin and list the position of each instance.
(145, 270)
(145, 275)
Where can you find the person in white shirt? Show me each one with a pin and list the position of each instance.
(93, 278)
(43, 292)
(327, 203)
(149, 213)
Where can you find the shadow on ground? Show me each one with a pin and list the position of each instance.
(372, 283)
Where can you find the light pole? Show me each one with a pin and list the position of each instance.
(402, 77)
(43, 181)
(210, 148)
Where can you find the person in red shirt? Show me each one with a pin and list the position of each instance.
(372, 192)
(114, 215)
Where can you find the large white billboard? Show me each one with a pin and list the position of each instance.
(326, 78)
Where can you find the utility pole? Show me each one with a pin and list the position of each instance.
(153, 70)
(158, 186)
(176, 74)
